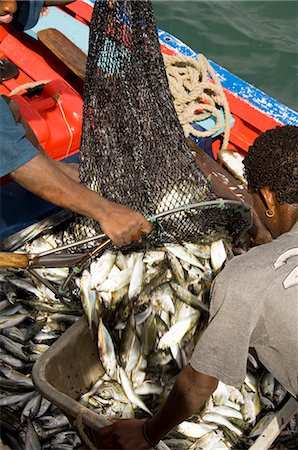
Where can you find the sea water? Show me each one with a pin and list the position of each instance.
(256, 40)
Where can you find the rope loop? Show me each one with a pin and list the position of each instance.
(79, 426)
(197, 95)
(26, 86)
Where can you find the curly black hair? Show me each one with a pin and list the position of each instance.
(272, 161)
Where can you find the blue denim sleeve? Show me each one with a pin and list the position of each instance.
(27, 14)
(15, 149)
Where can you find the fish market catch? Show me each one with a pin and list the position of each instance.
(147, 325)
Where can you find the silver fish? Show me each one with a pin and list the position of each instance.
(226, 411)
(148, 336)
(32, 441)
(14, 348)
(88, 297)
(267, 385)
(220, 420)
(58, 421)
(176, 332)
(199, 250)
(148, 388)
(185, 255)
(26, 285)
(132, 397)
(32, 407)
(13, 399)
(162, 298)
(195, 430)
(187, 297)
(176, 269)
(44, 406)
(116, 281)
(248, 409)
(121, 262)
(13, 375)
(101, 268)
(106, 349)
(136, 281)
(218, 255)
(11, 321)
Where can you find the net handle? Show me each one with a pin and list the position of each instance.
(218, 203)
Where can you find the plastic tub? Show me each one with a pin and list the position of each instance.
(65, 371)
(68, 368)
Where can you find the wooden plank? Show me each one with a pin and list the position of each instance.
(278, 423)
(65, 50)
(223, 183)
(226, 186)
(76, 31)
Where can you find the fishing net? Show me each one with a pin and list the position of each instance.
(133, 149)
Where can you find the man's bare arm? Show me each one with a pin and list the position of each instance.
(190, 391)
(41, 176)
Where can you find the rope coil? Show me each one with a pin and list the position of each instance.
(195, 87)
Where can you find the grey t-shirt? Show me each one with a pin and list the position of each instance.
(254, 304)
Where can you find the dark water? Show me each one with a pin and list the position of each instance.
(256, 40)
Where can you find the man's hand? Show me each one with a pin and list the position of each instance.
(122, 224)
(190, 391)
(123, 434)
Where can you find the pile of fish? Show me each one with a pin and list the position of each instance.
(31, 320)
(146, 310)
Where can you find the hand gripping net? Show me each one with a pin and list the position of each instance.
(133, 149)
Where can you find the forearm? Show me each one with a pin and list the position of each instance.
(190, 391)
(41, 176)
(71, 169)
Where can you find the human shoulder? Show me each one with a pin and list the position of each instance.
(256, 270)
(15, 149)
(262, 256)
(27, 14)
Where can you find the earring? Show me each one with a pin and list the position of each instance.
(269, 213)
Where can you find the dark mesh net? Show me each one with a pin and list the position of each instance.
(133, 148)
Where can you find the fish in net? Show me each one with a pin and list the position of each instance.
(133, 149)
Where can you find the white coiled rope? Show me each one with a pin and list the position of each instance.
(197, 94)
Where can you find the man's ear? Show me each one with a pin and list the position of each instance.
(268, 198)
